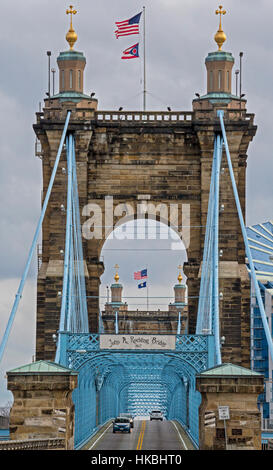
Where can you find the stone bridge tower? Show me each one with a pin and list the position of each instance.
(164, 157)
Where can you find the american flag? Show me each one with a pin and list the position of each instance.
(140, 274)
(128, 27)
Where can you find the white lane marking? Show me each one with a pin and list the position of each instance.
(100, 437)
(183, 442)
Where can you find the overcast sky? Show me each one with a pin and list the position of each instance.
(179, 36)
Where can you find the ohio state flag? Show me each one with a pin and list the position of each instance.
(131, 52)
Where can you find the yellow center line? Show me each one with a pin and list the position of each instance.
(141, 435)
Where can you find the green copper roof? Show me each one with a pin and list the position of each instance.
(229, 370)
(219, 98)
(42, 367)
(220, 56)
(71, 55)
(71, 96)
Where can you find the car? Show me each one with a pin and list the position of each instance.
(156, 414)
(121, 424)
(128, 415)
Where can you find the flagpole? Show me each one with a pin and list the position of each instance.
(144, 59)
(147, 292)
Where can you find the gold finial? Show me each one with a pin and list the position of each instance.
(180, 275)
(116, 275)
(220, 36)
(71, 36)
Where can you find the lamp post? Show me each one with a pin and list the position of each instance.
(48, 54)
(53, 80)
(237, 73)
(241, 56)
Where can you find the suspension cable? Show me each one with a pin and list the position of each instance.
(34, 242)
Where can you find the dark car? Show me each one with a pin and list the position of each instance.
(121, 424)
(128, 415)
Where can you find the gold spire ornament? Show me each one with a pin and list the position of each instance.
(220, 36)
(180, 275)
(71, 36)
(116, 275)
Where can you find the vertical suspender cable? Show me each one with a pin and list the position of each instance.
(248, 251)
(65, 299)
(68, 233)
(216, 252)
(204, 320)
(34, 242)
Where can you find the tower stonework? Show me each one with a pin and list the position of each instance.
(166, 156)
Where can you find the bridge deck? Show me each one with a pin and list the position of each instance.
(146, 435)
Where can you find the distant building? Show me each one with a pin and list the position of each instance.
(260, 239)
(116, 318)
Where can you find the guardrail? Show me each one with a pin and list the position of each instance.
(34, 444)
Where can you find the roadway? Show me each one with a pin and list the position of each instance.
(146, 435)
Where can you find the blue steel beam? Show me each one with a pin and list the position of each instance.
(243, 228)
(34, 242)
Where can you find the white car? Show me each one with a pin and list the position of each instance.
(156, 414)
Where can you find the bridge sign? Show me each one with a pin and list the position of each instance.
(138, 342)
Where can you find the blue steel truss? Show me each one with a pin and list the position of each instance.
(117, 381)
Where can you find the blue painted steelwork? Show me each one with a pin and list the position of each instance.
(34, 242)
(116, 323)
(208, 306)
(179, 324)
(73, 316)
(244, 233)
(117, 381)
(215, 303)
(262, 254)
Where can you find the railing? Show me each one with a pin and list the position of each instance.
(267, 424)
(151, 117)
(33, 444)
(143, 117)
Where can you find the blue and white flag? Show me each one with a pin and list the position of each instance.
(143, 284)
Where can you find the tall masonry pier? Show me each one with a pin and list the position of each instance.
(163, 156)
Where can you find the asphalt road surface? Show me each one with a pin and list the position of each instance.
(146, 435)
